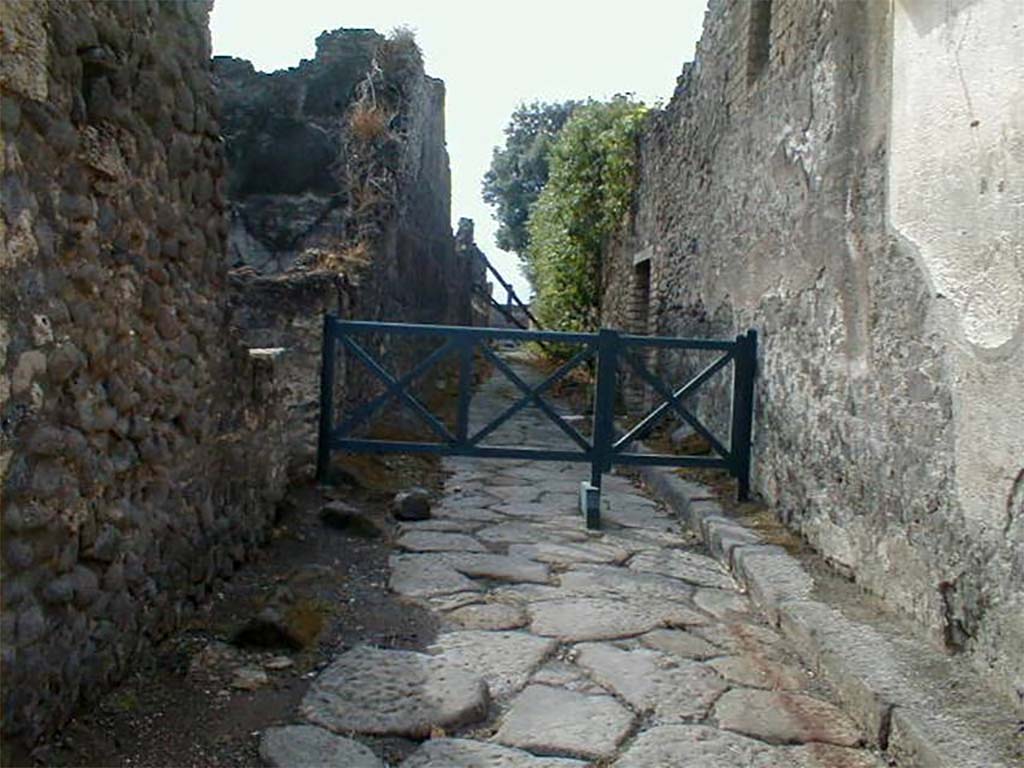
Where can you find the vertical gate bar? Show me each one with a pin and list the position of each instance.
(466, 344)
(323, 447)
(604, 405)
(743, 411)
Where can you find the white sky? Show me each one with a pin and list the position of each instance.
(492, 56)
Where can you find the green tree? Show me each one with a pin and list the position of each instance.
(588, 195)
(519, 170)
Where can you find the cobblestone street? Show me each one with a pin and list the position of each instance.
(626, 647)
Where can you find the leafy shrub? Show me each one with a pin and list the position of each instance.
(588, 195)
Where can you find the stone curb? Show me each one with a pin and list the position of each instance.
(920, 706)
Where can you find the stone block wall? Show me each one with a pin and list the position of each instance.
(140, 452)
(795, 184)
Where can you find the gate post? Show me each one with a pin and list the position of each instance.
(323, 446)
(745, 358)
(604, 425)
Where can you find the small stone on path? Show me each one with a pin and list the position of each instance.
(394, 693)
(307, 746)
(553, 721)
(463, 753)
(278, 662)
(249, 678)
(785, 718)
(413, 504)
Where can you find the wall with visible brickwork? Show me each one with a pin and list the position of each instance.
(796, 184)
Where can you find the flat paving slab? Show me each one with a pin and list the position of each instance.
(464, 753)
(504, 660)
(554, 721)
(785, 718)
(394, 693)
(426, 576)
(439, 541)
(652, 682)
(307, 746)
(489, 616)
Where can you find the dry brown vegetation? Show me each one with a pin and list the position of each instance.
(368, 121)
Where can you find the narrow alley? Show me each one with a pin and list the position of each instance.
(627, 646)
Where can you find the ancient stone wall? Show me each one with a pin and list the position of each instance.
(141, 452)
(339, 194)
(795, 184)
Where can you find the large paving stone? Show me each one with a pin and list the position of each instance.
(756, 672)
(563, 674)
(426, 576)
(489, 616)
(537, 510)
(624, 584)
(742, 637)
(722, 603)
(676, 746)
(680, 643)
(394, 693)
(463, 753)
(439, 541)
(576, 620)
(824, 756)
(785, 718)
(520, 492)
(458, 510)
(553, 721)
(683, 746)
(523, 532)
(653, 682)
(499, 567)
(505, 660)
(307, 746)
(571, 553)
(450, 526)
(636, 516)
(687, 566)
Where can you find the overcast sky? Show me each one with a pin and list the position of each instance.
(492, 56)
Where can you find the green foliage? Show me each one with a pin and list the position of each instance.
(519, 170)
(588, 195)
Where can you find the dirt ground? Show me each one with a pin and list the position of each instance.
(182, 706)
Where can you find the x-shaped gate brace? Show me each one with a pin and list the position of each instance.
(604, 448)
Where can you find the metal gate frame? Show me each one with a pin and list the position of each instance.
(605, 448)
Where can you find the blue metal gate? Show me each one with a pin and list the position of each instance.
(603, 448)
